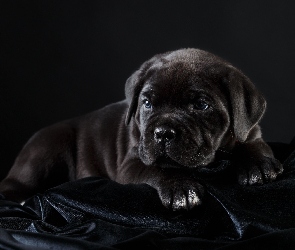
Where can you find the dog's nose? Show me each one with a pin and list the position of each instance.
(164, 134)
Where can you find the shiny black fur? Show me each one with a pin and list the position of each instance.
(181, 107)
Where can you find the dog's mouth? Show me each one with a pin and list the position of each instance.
(180, 154)
(167, 162)
(197, 161)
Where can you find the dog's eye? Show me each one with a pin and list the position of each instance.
(147, 104)
(201, 105)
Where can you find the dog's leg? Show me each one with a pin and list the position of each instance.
(177, 188)
(256, 163)
(43, 162)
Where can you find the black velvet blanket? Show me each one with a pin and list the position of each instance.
(96, 213)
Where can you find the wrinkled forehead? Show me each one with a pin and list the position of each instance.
(182, 79)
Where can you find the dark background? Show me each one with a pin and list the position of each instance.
(61, 59)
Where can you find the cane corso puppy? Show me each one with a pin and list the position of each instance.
(181, 108)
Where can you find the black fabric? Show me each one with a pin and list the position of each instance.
(96, 213)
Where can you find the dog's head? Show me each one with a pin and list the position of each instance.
(187, 104)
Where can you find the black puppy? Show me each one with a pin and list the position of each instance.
(181, 107)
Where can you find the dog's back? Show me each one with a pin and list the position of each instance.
(68, 150)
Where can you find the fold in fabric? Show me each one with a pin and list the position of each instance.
(97, 213)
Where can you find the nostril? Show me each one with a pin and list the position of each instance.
(164, 134)
(169, 135)
(158, 133)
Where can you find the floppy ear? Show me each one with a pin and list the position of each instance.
(135, 82)
(133, 87)
(248, 105)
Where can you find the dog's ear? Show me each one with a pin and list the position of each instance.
(135, 83)
(248, 105)
(133, 87)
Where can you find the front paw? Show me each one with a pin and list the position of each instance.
(180, 194)
(258, 171)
